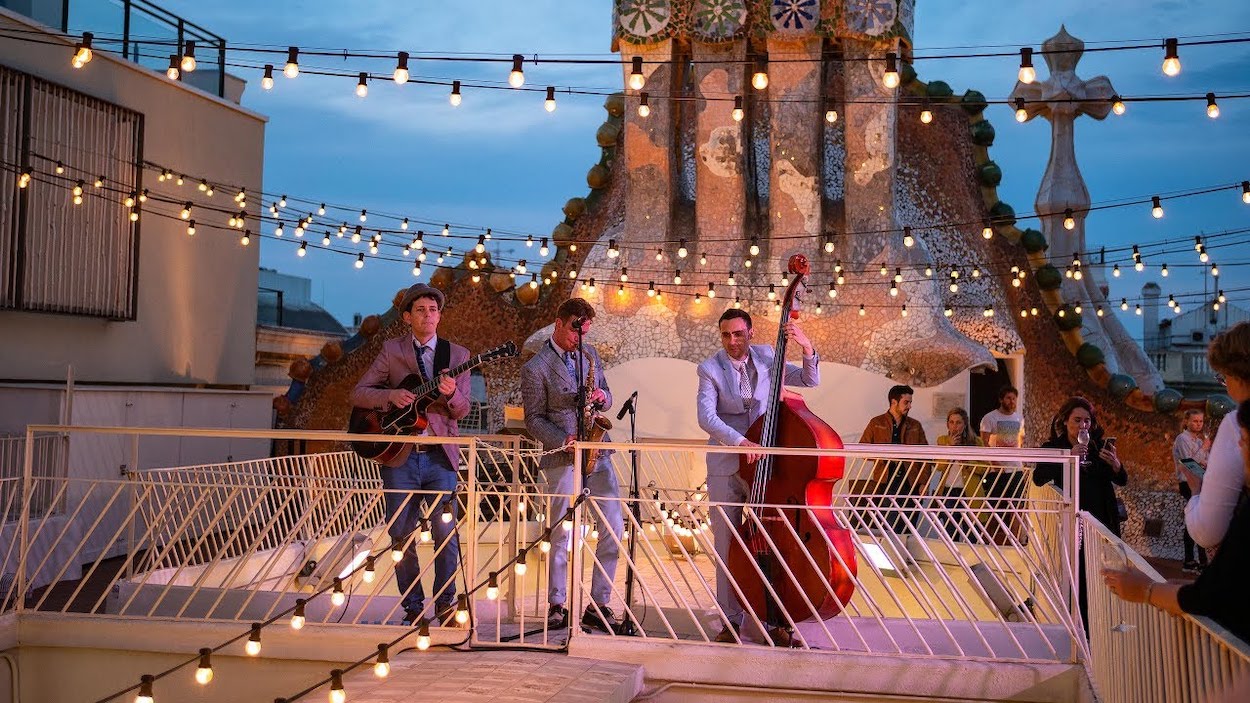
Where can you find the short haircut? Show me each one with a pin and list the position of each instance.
(1002, 392)
(1190, 413)
(1229, 352)
(735, 314)
(575, 308)
(897, 392)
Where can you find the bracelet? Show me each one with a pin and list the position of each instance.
(1150, 587)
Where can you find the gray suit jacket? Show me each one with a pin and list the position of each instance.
(722, 412)
(549, 394)
(398, 359)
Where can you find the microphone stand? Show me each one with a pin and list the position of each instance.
(628, 626)
(582, 391)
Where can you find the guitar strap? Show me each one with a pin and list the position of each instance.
(442, 356)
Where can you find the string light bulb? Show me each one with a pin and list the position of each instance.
(1156, 207)
(1069, 221)
(401, 68)
(1245, 192)
(492, 586)
(82, 51)
(423, 635)
(252, 647)
(519, 567)
(397, 552)
(246, 239)
(516, 78)
(1171, 57)
(204, 672)
(987, 231)
(550, 103)
(425, 534)
(737, 111)
(908, 240)
(360, 261)
(187, 63)
(613, 251)
(454, 97)
(172, 72)
(755, 246)
(303, 249)
(337, 693)
(644, 107)
(462, 602)
(1117, 105)
(337, 596)
(543, 249)
(362, 85)
(636, 79)
(382, 666)
(890, 78)
(266, 80)
(831, 115)
(145, 689)
(1027, 73)
(926, 112)
(1021, 113)
(1213, 110)
(1163, 270)
(759, 78)
(191, 228)
(291, 70)
(682, 252)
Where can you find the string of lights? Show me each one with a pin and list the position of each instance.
(184, 62)
(839, 272)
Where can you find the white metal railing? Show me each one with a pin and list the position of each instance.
(959, 574)
(1142, 654)
(49, 458)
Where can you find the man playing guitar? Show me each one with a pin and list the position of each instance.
(427, 467)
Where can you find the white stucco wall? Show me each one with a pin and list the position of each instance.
(197, 295)
(846, 398)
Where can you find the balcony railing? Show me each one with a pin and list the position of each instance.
(146, 34)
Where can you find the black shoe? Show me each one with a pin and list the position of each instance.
(599, 617)
(445, 616)
(557, 616)
(728, 635)
(411, 616)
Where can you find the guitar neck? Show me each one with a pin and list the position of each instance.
(432, 385)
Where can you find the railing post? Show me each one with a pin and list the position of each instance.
(134, 501)
(19, 595)
(515, 524)
(574, 574)
(471, 514)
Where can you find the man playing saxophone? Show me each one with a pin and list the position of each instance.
(549, 392)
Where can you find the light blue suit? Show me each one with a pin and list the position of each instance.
(725, 416)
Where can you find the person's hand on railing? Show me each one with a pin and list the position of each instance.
(1136, 587)
(752, 457)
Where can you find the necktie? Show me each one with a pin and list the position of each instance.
(744, 382)
(421, 362)
(568, 364)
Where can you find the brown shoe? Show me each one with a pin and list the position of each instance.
(728, 634)
(783, 637)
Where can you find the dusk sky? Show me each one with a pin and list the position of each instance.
(500, 160)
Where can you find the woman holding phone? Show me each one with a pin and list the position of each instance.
(1076, 429)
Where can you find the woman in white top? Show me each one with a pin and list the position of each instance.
(1216, 492)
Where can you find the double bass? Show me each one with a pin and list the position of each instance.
(806, 540)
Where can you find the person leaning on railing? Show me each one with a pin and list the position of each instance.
(1216, 492)
(1220, 591)
(958, 478)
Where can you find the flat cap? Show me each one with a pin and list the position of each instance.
(421, 290)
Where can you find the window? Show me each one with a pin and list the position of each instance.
(56, 256)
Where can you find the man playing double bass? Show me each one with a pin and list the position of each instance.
(424, 467)
(731, 384)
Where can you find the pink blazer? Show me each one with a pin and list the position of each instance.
(395, 362)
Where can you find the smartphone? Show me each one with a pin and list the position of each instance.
(1109, 442)
(1194, 467)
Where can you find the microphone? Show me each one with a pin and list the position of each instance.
(628, 406)
(578, 322)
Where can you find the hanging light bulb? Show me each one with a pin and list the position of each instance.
(325, 240)
(1021, 113)
(636, 79)
(266, 80)
(337, 693)
(908, 240)
(644, 108)
(737, 306)
(711, 290)
(252, 647)
(145, 694)
(831, 115)
(401, 69)
(1245, 192)
(550, 103)
(1215, 270)
(1163, 271)
(1027, 73)
(903, 311)
(755, 246)
(759, 78)
(360, 261)
(519, 567)
(731, 280)
(1171, 57)
(624, 275)
(1115, 270)
(60, 169)
(1213, 110)
(1156, 207)
(1203, 256)
(987, 231)
(829, 246)
(462, 600)
(613, 251)
(682, 252)
(543, 249)
(890, 78)
(246, 238)
(651, 289)
(292, 62)
(1069, 222)
(516, 78)
(454, 97)
(82, 51)
(833, 290)
(737, 111)
(362, 86)
(492, 587)
(382, 666)
(862, 311)
(893, 289)
(898, 275)
(173, 71)
(772, 291)
(480, 247)
(187, 63)
(1117, 105)
(948, 311)
(926, 112)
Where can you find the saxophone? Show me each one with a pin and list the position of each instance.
(596, 423)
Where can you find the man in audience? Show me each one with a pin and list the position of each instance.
(1191, 444)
